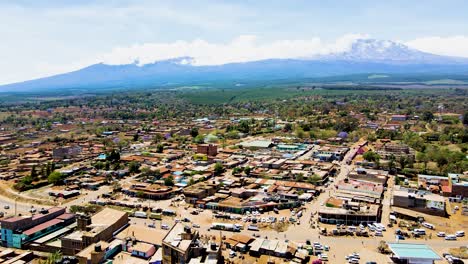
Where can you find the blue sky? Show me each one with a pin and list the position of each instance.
(41, 38)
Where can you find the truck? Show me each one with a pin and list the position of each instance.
(226, 227)
(155, 216)
(140, 214)
(168, 212)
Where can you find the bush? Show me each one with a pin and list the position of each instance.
(55, 178)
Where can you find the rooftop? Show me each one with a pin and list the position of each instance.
(175, 237)
(413, 251)
(144, 234)
(107, 216)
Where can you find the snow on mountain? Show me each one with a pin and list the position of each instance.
(389, 52)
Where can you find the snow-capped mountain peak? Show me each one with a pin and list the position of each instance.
(384, 51)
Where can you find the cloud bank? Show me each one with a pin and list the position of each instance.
(241, 49)
(450, 46)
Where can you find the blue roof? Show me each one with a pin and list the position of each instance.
(413, 251)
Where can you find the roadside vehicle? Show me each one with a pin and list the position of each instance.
(419, 231)
(140, 214)
(428, 225)
(165, 227)
(252, 228)
(460, 233)
(450, 237)
(323, 256)
(441, 234)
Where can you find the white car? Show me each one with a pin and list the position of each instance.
(450, 237)
(441, 234)
(323, 257)
(232, 254)
(165, 227)
(196, 226)
(460, 233)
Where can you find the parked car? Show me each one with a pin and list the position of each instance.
(6, 206)
(441, 234)
(460, 233)
(165, 227)
(450, 237)
(323, 257)
(232, 254)
(428, 225)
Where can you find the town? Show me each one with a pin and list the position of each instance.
(338, 182)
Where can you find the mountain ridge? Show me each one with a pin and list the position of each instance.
(364, 56)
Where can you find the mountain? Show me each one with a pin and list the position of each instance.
(363, 57)
(387, 51)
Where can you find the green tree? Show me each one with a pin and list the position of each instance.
(299, 177)
(247, 170)
(194, 132)
(55, 178)
(371, 156)
(34, 175)
(300, 133)
(427, 116)
(159, 148)
(314, 179)
(391, 162)
(169, 181)
(133, 167)
(402, 161)
(191, 181)
(52, 258)
(218, 168)
(199, 139)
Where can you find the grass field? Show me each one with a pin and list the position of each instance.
(223, 96)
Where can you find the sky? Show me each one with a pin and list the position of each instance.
(43, 38)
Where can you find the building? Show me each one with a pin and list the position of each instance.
(207, 149)
(413, 253)
(66, 152)
(419, 200)
(182, 245)
(178, 243)
(17, 231)
(257, 144)
(101, 226)
(98, 252)
(199, 191)
(330, 153)
(397, 151)
(349, 213)
(150, 191)
(399, 118)
(458, 185)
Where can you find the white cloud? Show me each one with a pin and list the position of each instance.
(241, 49)
(450, 46)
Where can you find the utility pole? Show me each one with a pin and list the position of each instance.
(16, 204)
